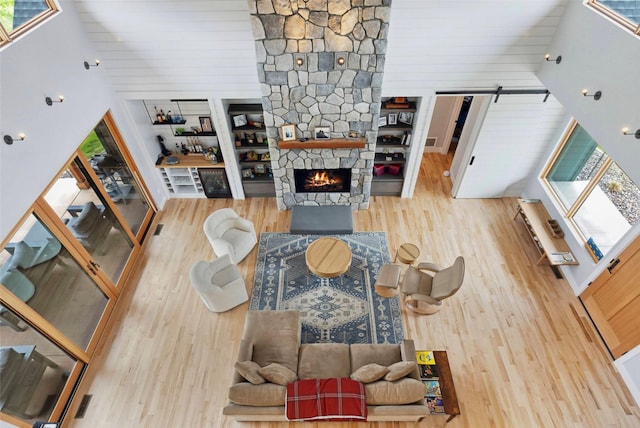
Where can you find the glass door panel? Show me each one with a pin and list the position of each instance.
(34, 370)
(76, 200)
(102, 152)
(41, 272)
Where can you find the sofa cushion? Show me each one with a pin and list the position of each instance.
(324, 361)
(400, 369)
(249, 371)
(223, 226)
(383, 354)
(225, 275)
(283, 351)
(369, 373)
(403, 391)
(277, 373)
(263, 395)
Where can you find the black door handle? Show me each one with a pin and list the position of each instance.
(613, 264)
(472, 159)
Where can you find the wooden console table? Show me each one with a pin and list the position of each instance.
(535, 216)
(449, 396)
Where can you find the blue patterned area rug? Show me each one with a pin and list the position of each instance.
(341, 310)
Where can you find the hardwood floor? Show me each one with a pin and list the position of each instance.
(521, 347)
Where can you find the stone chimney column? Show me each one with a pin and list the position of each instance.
(320, 64)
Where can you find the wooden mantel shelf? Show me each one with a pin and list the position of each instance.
(333, 143)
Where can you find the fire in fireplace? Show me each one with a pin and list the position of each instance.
(322, 180)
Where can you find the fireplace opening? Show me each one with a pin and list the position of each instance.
(322, 180)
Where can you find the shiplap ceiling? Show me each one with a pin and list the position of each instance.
(206, 46)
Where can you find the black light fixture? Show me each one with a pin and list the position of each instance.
(299, 61)
(50, 102)
(8, 139)
(557, 60)
(625, 131)
(87, 65)
(596, 95)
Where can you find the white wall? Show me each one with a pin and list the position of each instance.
(604, 57)
(174, 49)
(598, 55)
(42, 64)
(446, 44)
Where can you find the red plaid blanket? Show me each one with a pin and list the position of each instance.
(339, 399)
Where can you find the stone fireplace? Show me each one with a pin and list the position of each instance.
(320, 64)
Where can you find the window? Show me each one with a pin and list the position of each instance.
(598, 198)
(18, 16)
(625, 12)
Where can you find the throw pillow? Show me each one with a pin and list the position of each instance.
(369, 373)
(278, 374)
(249, 371)
(399, 370)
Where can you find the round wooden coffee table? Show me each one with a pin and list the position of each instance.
(328, 257)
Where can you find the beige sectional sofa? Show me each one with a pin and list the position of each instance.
(274, 337)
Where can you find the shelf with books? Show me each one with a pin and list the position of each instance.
(252, 149)
(435, 373)
(395, 129)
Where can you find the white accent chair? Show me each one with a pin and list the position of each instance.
(230, 234)
(219, 284)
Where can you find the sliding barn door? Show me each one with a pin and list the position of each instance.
(613, 301)
(502, 144)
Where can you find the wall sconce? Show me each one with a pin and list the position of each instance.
(50, 102)
(8, 139)
(557, 60)
(596, 95)
(340, 61)
(625, 131)
(299, 61)
(87, 65)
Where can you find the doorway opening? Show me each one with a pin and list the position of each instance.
(460, 121)
(449, 117)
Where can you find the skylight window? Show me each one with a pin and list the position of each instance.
(625, 12)
(18, 16)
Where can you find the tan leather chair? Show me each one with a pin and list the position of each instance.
(424, 292)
